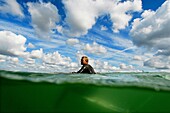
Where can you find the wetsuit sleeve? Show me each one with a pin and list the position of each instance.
(81, 70)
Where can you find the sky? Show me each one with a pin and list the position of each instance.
(116, 35)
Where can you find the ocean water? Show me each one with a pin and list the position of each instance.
(119, 92)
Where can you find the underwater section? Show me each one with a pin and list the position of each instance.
(64, 92)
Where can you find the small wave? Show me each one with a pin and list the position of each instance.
(157, 81)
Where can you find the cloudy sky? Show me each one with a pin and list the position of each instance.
(116, 35)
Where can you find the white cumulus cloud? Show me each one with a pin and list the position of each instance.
(153, 32)
(14, 59)
(72, 41)
(2, 58)
(12, 44)
(30, 45)
(126, 67)
(158, 62)
(36, 53)
(104, 28)
(59, 29)
(29, 61)
(44, 17)
(11, 7)
(56, 58)
(139, 58)
(119, 15)
(95, 48)
(81, 16)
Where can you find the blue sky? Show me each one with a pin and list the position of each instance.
(116, 35)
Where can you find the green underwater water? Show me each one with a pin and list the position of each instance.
(104, 92)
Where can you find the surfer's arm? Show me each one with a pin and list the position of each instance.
(81, 70)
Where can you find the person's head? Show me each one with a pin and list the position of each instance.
(84, 60)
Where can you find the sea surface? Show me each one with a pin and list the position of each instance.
(154, 80)
(125, 92)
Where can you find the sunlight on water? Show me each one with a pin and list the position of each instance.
(105, 104)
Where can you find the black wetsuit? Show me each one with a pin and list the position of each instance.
(86, 69)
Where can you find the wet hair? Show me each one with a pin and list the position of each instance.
(86, 58)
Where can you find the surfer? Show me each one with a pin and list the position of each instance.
(86, 68)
